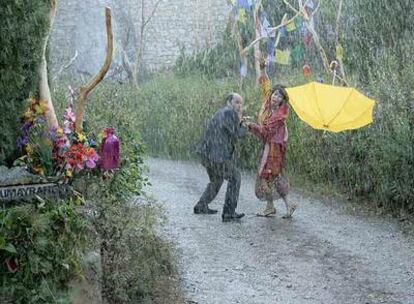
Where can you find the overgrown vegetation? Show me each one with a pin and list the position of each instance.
(22, 28)
(375, 163)
(41, 247)
(135, 263)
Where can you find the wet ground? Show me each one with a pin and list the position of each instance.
(325, 254)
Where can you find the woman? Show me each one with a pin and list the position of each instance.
(271, 182)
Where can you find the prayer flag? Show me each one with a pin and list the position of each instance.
(282, 57)
(243, 69)
(242, 15)
(307, 39)
(298, 22)
(310, 4)
(282, 31)
(291, 26)
(306, 70)
(339, 52)
(297, 53)
(264, 30)
(269, 63)
(243, 4)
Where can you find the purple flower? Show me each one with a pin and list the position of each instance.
(40, 120)
(92, 143)
(26, 126)
(22, 141)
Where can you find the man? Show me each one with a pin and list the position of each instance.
(216, 149)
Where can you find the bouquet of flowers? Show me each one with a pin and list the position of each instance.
(73, 151)
(59, 151)
(34, 141)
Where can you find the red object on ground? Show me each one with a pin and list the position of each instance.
(109, 150)
(12, 264)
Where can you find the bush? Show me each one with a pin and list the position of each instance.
(134, 259)
(24, 24)
(46, 242)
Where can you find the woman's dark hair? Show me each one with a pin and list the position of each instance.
(282, 90)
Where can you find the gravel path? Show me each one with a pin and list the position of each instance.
(324, 254)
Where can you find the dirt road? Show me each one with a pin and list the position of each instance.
(324, 254)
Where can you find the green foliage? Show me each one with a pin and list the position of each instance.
(23, 25)
(379, 27)
(375, 163)
(47, 240)
(133, 258)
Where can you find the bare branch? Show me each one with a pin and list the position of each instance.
(270, 31)
(317, 7)
(86, 89)
(140, 48)
(292, 7)
(152, 13)
(66, 66)
(128, 67)
(338, 18)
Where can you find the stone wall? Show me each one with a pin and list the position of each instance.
(79, 26)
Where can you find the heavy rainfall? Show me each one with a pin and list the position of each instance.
(207, 151)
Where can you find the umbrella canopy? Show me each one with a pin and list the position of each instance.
(331, 108)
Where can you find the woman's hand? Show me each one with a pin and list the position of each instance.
(247, 121)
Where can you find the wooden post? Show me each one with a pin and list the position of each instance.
(88, 87)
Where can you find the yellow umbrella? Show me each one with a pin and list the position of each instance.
(331, 108)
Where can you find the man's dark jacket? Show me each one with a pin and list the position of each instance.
(220, 136)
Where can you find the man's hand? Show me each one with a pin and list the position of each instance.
(246, 121)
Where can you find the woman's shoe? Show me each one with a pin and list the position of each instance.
(267, 212)
(289, 212)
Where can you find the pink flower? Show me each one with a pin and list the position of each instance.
(61, 142)
(90, 164)
(92, 158)
(70, 115)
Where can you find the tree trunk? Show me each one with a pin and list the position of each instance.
(129, 68)
(44, 89)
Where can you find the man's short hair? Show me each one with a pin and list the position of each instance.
(229, 98)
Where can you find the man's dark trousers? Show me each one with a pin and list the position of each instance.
(218, 172)
(216, 149)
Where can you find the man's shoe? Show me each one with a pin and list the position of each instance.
(231, 217)
(203, 210)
